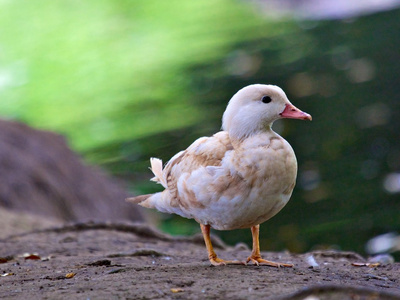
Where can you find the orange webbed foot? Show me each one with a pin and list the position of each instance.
(255, 256)
(214, 260)
(258, 261)
(221, 262)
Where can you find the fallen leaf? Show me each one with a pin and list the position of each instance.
(5, 259)
(176, 290)
(70, 275)
(370, 265)
(359, 264)
(373, 265)
(31, 256)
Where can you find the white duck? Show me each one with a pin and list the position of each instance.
(238, 178)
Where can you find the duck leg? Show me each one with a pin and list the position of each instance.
(212, 256)
(255, 256)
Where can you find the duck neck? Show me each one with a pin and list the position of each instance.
(238, 138)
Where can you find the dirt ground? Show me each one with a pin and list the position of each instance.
(134, 261)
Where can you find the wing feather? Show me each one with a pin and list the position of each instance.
(204, 152)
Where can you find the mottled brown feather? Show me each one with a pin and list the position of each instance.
(193, 158)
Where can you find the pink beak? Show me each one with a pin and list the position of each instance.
(292, 112)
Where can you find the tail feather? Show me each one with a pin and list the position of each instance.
(157, 169)
(153, 200)
(160, 201)
(139, 199)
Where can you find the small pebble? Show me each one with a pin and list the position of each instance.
(382, 259)
(312, 262)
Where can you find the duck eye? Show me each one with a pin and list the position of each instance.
(266, 99)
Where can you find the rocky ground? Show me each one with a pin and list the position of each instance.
(134, 261)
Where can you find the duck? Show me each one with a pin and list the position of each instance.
(240, 177)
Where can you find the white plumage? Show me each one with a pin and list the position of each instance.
(237, 178)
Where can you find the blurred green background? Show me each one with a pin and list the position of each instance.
(127, 80)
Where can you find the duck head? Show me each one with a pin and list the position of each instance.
(254, 108)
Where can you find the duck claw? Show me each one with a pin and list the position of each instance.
(258, 261)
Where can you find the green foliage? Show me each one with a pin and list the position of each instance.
(109, 71)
